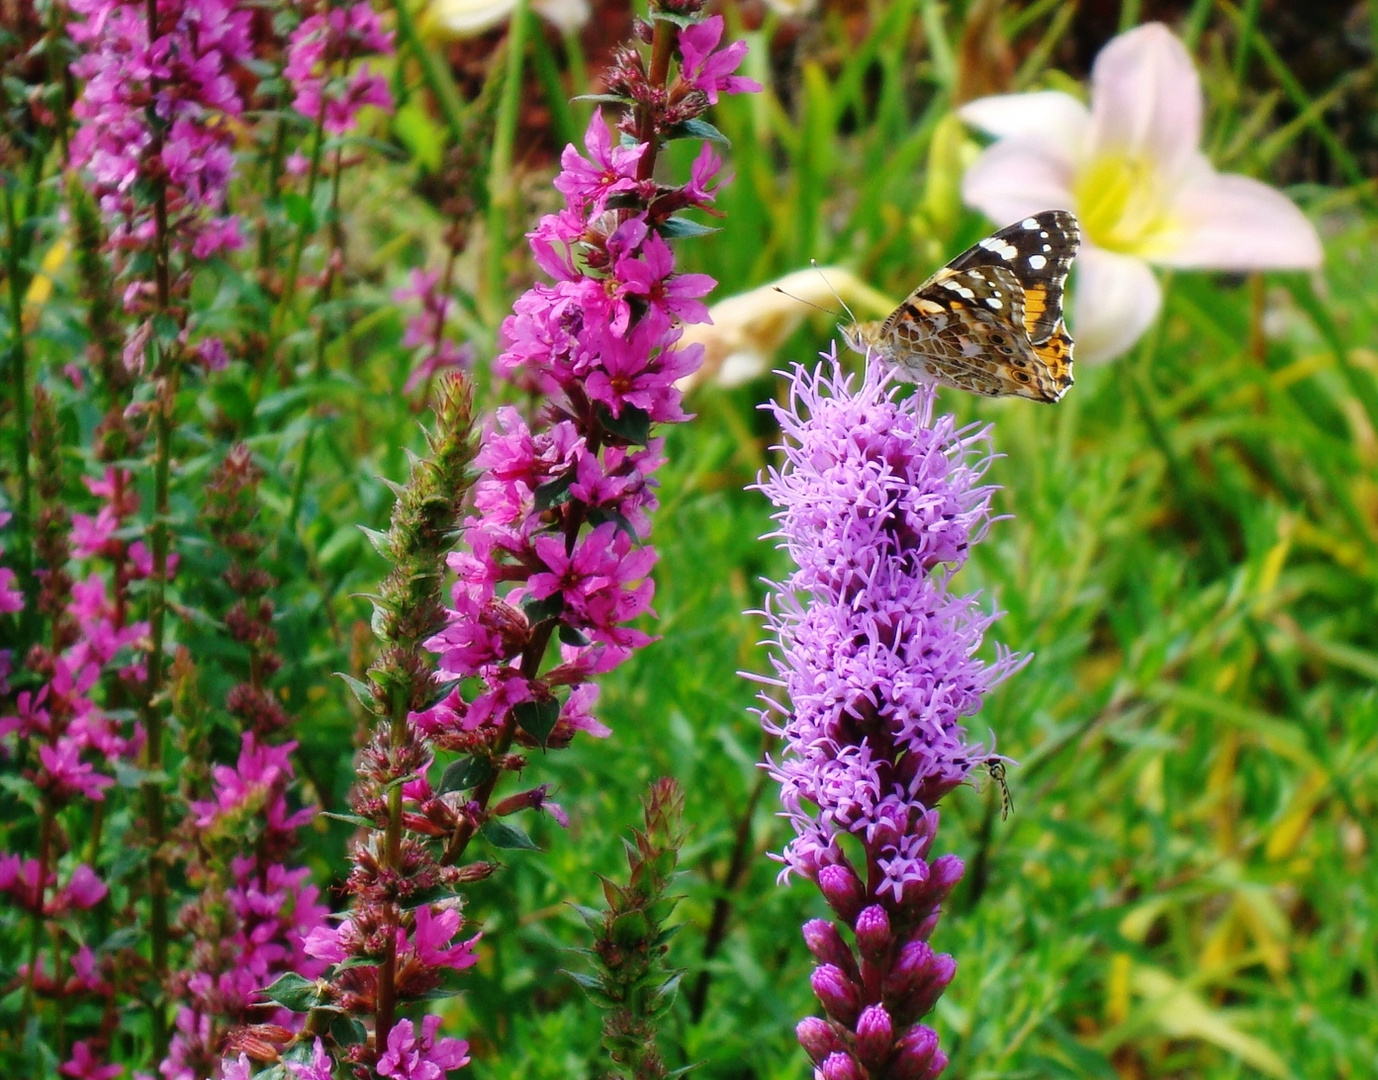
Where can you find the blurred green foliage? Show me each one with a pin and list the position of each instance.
(1187, 887)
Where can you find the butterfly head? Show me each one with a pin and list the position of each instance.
(861, 337)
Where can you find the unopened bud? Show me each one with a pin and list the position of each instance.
(875, 1037)
(873, 938)
(838, 995)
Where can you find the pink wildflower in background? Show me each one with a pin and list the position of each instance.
(428, 332)
(326, 81)
(182, 74)
(1131, 169)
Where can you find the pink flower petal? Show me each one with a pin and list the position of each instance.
(1116, 300)
(1056, 122)
(1013, 179)
(1146, 100)
(1231, 222)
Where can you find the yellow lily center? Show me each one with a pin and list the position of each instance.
(1121, 203)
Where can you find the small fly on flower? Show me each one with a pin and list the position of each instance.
(996, 767)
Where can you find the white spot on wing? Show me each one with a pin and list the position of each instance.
(1037, 262)
(960, 289)
(1029, 223)
(998, 247)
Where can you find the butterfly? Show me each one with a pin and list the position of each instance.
(990, 321)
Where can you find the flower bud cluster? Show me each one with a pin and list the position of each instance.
(557, 541)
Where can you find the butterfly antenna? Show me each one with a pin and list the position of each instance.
(806, 303)
(829, 284)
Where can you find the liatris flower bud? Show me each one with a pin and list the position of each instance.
(878, 501)
(872, 928)
(917, 1056)
(839, 996)
(840, 1066)
(825, 942)
(874, 1036)
(842, 889)
(819, 1038)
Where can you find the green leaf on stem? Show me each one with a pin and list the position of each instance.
(507, 837)
(538, 718)
(293, 992)
(465, 773)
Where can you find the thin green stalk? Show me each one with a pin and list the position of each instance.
(738, 863)
(1196, 22)
(578, 76)
(19, 386)
(1134, 375)
(1317, 738)
(1248, 30)
(1129, 15)
(1353, 171)
(436, 74)
(548, 71)
(1361, 383)
(276, 156)
(318, 367)
(166, 371)
(155, 808)
(502, 192)
(289, 283)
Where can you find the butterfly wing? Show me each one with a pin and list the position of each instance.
(990, 322)
(1039, 251)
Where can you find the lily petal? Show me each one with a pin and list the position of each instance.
(1013, 178)
(1230, 222)
(1055, 121)
(1116, 300)
(1146, 101)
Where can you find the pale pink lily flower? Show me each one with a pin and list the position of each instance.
(1130, 167)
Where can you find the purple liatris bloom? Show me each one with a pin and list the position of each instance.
(879, 502)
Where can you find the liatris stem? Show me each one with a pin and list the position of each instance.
(879, 502)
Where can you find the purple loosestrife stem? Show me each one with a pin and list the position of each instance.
(879, 502)
(331, 39)
(153, 136)
(599, 344)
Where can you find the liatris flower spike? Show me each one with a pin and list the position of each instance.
(878, 504)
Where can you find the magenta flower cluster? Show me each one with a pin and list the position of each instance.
(600, 344)
(62, 717)
(879, 502)
(180, 71)
(256, 925)
(328, 85)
